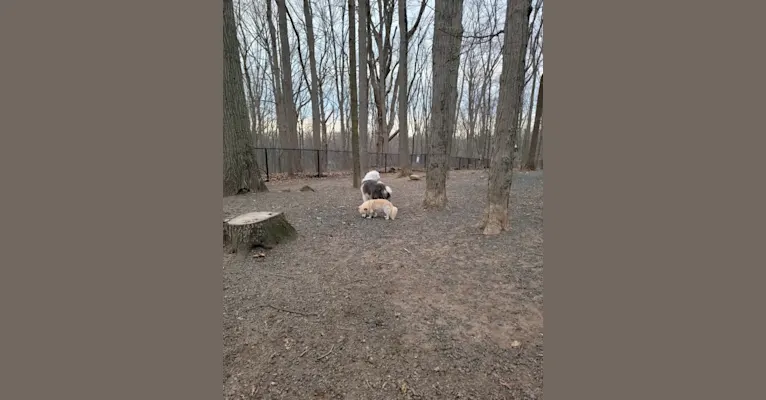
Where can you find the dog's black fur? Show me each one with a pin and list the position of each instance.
(375, 190)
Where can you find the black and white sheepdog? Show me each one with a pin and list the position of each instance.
(373, 188)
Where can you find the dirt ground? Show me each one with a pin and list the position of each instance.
(421, 307)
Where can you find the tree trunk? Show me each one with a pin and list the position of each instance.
(339, 82)
(265, 229)
(316, 118)
(472, 89)
(452, 148)
(323, 152)
(364, 91)
(525, 153)
(240, 169)
(531, 163)
(291, 116)
(496, 217)
(540, 147)
(379, 75)
(447, 36)
(534, 61)
(279, 97)
(404, 143)
(356, 152)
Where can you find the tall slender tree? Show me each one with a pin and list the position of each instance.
(532, 159)
(279, 94)
(404, 39)
(291, 114)
(355, 150)
(316, 118)
(240, 169)
(496, 218)
(404, 145)
(447, 37)
(364, 89)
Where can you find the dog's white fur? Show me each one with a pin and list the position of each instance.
(370, 209)
(373, 175)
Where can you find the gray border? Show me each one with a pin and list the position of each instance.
(111, 129)
(112, 163)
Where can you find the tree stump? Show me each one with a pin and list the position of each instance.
(259, 228)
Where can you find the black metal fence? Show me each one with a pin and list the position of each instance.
(318, 162)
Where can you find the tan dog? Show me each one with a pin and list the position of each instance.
(370, 209)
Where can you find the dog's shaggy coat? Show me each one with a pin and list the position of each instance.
(373, 188)
(371, 208)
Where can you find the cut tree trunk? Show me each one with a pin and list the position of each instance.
(259, 228)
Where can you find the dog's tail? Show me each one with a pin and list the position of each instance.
(394, 210)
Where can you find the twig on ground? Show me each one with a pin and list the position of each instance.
(279, 275)
(291, 311)
(407, 250)
(304, 353)
(506, 385)
(327, 354)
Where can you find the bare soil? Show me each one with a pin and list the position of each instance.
(421, 307)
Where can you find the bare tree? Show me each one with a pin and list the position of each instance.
(356, 151)
(496, 217)
(486, 101)
(291, 114)
(534, 64)
(280, 95)
(253, 89)
(364, 91)
(339, 74)
(531, 163)
(404, 39)
(540, 146)
(240, 169)
(448, 31)
(316, 119)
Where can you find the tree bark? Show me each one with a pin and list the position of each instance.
(240, 169)
(448, 31)
(540, 148)
(340, 84)
(525, 153)
(355, 150)
(279, 96)
(291, 115)
(535, 64)
(364, 91)
(404, 144)
(531, 163)
(496, 218)
(316, 118)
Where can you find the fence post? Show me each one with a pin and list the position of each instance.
(319, 170)
(266, 158)
(385, 162)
